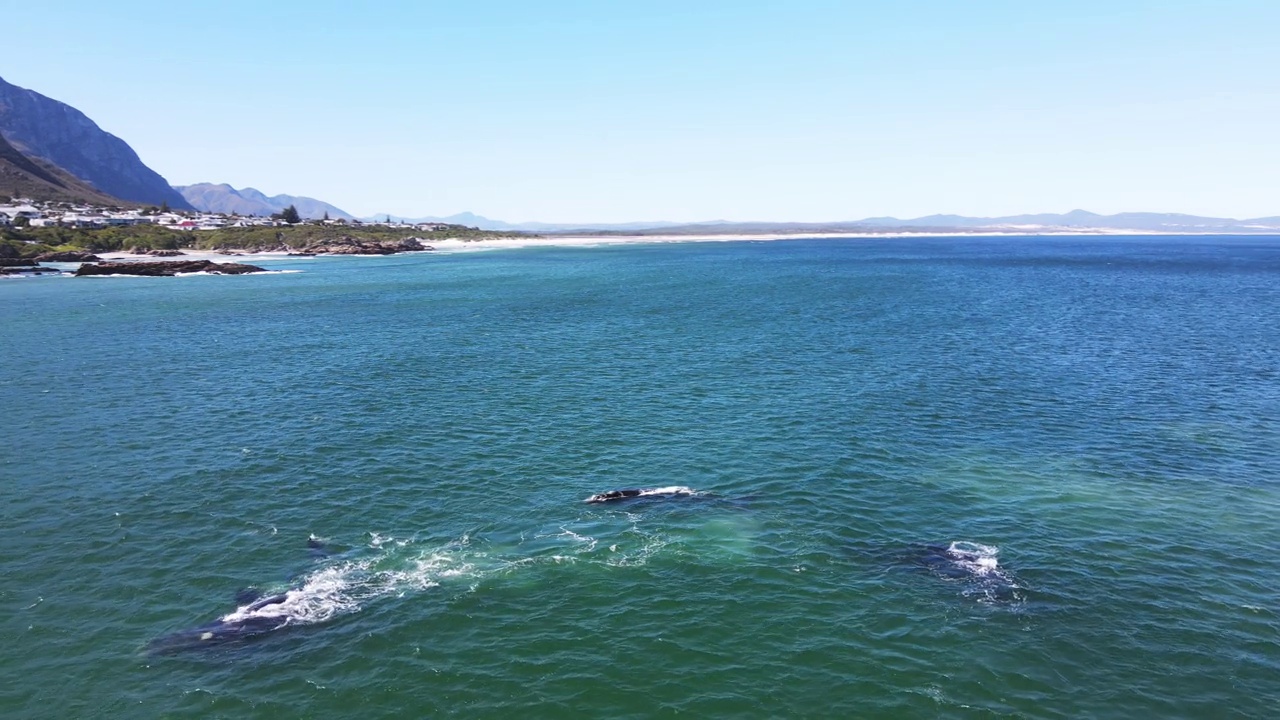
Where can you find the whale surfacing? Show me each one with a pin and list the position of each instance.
(256, 614)
(973, 565)
(257, 618)
(627, 494)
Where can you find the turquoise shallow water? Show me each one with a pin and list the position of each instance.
(1099, 417)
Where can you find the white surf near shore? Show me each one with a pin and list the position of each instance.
(450, 245)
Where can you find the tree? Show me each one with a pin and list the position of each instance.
(164, 206)
(326, 216)
(290, 215)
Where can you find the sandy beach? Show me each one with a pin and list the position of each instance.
(507, 243)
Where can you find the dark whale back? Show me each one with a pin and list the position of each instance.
(630, 493)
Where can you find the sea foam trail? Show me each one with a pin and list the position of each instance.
(337, 588)
(395, 567)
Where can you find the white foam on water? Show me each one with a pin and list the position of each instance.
(586, 542)
(346, 587)
(323, 595)
(214, 274)
(974, 557)
(991, 584)
(669, 490)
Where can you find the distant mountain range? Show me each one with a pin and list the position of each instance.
(45, 129)
(223, 198)
(51, 151)
(1168, 222)
(1043, 222)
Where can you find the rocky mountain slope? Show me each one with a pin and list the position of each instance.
(43, 128)
(21, 176)
(223, 198)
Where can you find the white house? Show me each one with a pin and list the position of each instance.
(14, 212)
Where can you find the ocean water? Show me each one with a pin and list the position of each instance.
(931, 477)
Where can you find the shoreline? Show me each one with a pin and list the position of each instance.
(458, 245)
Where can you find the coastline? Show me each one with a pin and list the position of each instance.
(454, 245)
(458, 245)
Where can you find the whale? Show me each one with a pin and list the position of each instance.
(974, 566)
(256, 614)
(246, 623)
(633, 493)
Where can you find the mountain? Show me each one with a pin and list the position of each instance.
(1042, 222)
(225, 199)
(1083, 219)
(43, 128)
(33, 179)
(1047, 222)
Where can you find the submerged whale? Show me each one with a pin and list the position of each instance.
(628, 494)
(973, 565)
(247, 622)
(257, 614)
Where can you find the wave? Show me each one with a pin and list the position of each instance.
(195, 274)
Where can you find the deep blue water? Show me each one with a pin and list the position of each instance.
(937, 477)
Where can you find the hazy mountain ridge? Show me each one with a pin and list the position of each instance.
(44, 128)
(1178, 222)
(1074, 220)
(223, 198)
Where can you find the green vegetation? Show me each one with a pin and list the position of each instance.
(291, 216)
(29, 242)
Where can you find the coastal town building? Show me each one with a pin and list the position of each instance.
(50, 214)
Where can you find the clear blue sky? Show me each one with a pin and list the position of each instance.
(805, 110)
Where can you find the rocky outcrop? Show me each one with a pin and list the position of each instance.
(155, 253)
(165, 269)
(45, 128)
(69, 256)
(32, 269)
(357, 246)
(17, 262)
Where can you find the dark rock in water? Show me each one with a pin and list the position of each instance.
(69, 256)
(165, 269)
(302, 254)
(17, 262)
(355, 246)
(29, 270)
